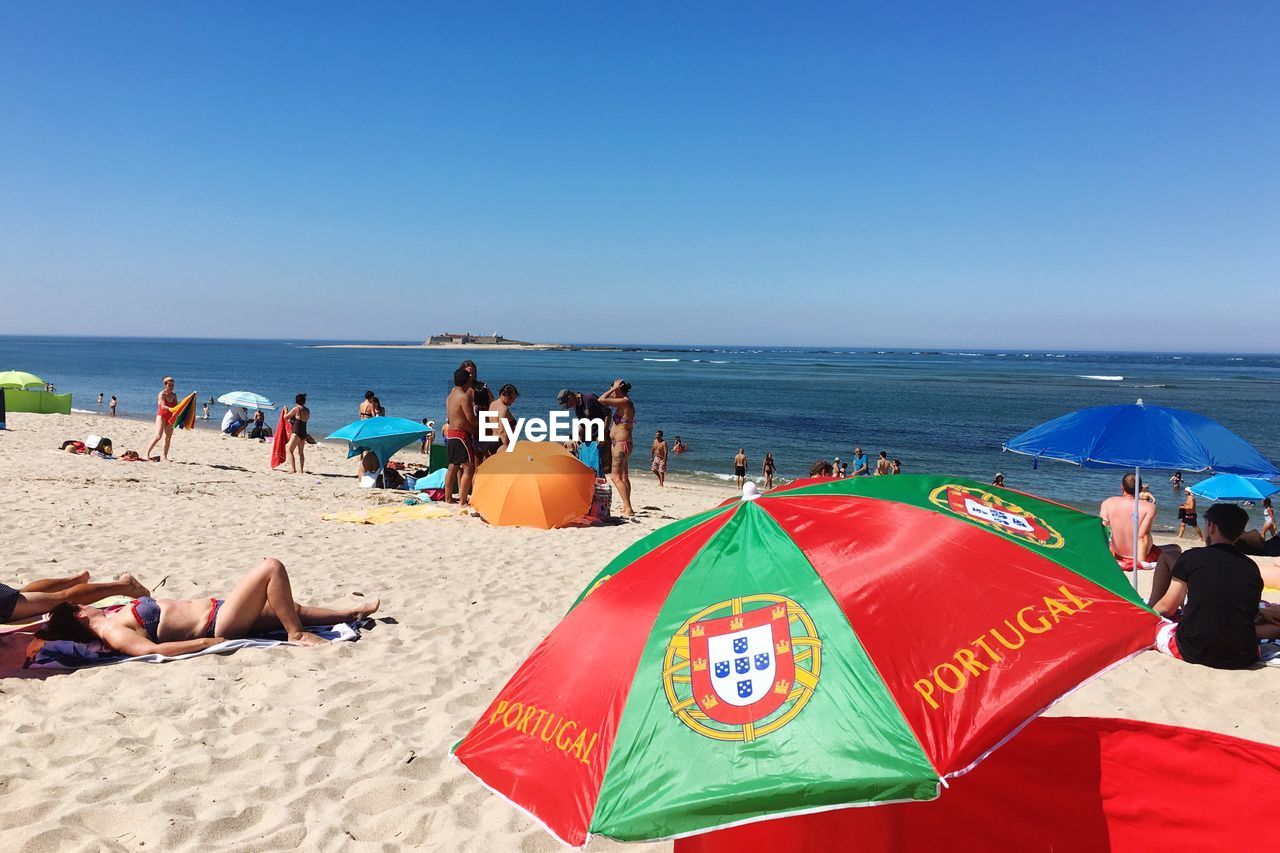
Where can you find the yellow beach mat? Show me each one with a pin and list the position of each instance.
(389, 514)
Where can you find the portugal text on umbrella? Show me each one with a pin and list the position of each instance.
(547, 726)
(953, 678)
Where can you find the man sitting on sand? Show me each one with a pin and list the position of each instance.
(40, 597)
(459, 438)
(1117, 515)
(1221, 623)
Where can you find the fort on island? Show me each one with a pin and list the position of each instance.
(455, 338)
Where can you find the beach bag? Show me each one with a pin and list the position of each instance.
(589, 455)
(601, 501)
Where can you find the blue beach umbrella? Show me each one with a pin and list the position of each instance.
(383, 436)
(247, 399)
(1138, 436)
(1233, 487)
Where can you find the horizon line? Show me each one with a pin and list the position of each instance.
(882, 348)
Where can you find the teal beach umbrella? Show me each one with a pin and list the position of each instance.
(382, 436)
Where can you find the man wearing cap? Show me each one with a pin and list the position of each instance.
(588, 407)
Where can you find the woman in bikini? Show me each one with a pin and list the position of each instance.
(165, 401)
(297, 418)
(262, 601)
(624, 421)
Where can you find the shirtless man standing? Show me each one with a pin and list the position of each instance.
(1117, 515)
(740, 467)
(658, 458)
(459, 438)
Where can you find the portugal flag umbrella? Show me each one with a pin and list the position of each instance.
(537, 484)
(833, 643)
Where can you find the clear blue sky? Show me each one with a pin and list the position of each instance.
(949, 174)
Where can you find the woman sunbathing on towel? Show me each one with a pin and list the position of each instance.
(262, 601)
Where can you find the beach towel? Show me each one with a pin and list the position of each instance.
(1079, 784)
(66, 654)
(283, 430)
(183, 415)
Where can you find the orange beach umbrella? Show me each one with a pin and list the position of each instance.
(537, 484)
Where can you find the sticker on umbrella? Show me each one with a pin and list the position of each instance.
(741, 669)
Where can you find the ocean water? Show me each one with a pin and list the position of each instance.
(937, 411)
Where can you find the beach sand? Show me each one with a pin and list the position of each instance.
(346, 746)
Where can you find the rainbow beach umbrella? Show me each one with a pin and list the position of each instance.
(183, 415)
(830, 644)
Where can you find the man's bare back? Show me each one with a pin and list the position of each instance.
(461, 409)
(1117, 514)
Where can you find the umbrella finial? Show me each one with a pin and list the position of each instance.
(751, 492)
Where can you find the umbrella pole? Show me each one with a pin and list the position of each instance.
(1137, 473)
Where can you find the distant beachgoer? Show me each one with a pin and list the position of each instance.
(679, 446)
(1117, 515)
(1144, 494)
(262, 601)
(1176, 480)
(378, 411)
(658, 458)
(459, 438)
(837, 467)
(1187, 516)
(501, 406)
(624, 419)
(430, 437)
(112, 405)
(298, 417)
(1268, 519)
(235, 420)
(204, 415)
(844, 470)
(740, 468)
(998, 481)
(859, 463)
(99, 401)
(883, 465)
(1222, 590)
(258, 427)
(768, 470)
(588, 407)
(821, 468)
(41, 596)
(897, 466)
(368, 407)
(165, 401)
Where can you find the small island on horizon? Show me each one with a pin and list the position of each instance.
(467, 340)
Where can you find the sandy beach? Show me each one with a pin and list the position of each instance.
(346, 746)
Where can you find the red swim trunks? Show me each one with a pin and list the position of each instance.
(1148, 562)
(458, 445)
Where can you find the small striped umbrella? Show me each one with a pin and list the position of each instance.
(248, 399)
